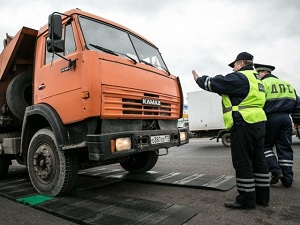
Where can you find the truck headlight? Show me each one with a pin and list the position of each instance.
(183, 136)
(121, 144)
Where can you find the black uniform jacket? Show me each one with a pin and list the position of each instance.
(235, 85)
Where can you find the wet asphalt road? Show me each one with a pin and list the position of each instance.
(199, 156)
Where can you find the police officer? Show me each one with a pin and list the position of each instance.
(281, 101)
(243, 99)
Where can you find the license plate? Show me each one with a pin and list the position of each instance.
(160, 139)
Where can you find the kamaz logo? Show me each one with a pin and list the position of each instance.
(146, 101)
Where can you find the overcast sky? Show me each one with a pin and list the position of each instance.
(204, 35)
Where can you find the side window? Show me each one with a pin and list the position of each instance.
(49, 55)
(69, 40)
(69, 45)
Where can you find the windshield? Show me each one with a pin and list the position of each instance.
(102, 37)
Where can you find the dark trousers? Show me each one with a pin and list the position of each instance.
(279, 133)
(252, 175)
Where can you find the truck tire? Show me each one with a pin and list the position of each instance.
(52, 172)
(19, 94)
(140, 162)
(4, 165)
(226, 141)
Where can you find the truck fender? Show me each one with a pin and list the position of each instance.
(40, 116)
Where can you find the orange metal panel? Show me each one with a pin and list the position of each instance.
(9, 52)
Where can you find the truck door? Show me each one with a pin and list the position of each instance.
(55, 83)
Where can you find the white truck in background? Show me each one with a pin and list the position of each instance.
(296, 132)
(205, 116)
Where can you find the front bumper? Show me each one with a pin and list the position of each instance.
(100, 145)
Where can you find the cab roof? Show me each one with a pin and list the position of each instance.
(73, 12)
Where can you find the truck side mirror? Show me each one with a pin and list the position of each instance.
(55, 27)
(55, 43)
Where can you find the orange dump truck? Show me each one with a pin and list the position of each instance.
(84, 91)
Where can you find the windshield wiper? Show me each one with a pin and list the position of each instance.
(112, 52)
(127, 57)
(147, 63)
(104, 49)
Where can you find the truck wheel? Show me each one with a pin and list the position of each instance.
(226, 141)
(4, 165)
(19, 94)
(140, 162)
(51, 171)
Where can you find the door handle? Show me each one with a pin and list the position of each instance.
(41, 86)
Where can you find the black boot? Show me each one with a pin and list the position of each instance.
(235, 205)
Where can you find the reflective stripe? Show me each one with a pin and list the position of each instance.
(237, 108)
(246, 190)
(245, 180)
(270, 99)
(207, 84)
(269, 151)
(225, 110)
(262, 175)
(285, 164)
(295, 115)
(245, 185)
(262, 180)
(288, 161)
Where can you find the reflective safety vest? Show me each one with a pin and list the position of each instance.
(251, 108)
(278, 89)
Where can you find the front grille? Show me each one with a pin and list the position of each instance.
(123, 103)
(131, 106)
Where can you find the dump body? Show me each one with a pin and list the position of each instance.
(16, 57)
